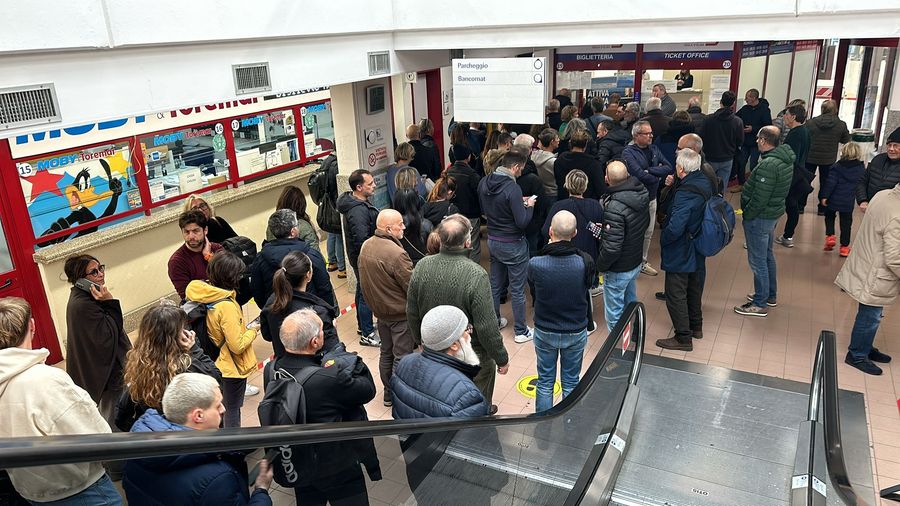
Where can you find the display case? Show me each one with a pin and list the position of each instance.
(184, 161)
(318, 128)
(265, 141)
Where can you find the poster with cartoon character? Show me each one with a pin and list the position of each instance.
(76, 188)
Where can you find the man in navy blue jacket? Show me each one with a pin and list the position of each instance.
(192, 402)
(562, 277)
(508, 215)
(684, 266)
(645, 162)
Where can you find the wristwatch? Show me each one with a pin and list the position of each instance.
(260, 489)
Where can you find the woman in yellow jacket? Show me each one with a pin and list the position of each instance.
(225, 324)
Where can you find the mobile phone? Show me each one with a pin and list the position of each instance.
(272, 456)
(253, 322)
(86, 284)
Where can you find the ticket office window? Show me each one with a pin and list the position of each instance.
(78, 187)
(318, 128)
(184, 161)
(265, 141)
(709, 85)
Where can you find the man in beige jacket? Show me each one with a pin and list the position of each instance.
(384, 273)
(871, 276)
(38, 400)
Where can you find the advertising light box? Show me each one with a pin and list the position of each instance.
(501, 90)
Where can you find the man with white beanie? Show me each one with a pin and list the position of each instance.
(438, 381)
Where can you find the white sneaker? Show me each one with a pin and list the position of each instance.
(251, 391)
(648, 270)
(502, 323)
(598, 291)
(592, 328)
(524, 338)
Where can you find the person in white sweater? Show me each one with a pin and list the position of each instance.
(39, 400)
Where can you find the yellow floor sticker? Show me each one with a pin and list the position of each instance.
(527, 386)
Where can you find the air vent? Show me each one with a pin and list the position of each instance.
(379, 63)
(28, 105)
(251, 78)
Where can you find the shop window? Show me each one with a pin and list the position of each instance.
(184, 161)
(318, 128)
(78, 187)
(265, 141)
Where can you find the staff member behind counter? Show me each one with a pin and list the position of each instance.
(684, 79)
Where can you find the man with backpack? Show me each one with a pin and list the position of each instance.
(323, 191)
(683, 264)
(321, 391)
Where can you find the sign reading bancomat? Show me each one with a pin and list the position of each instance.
(499, 90)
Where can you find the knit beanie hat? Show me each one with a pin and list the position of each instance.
(894, 137)
(442, 326)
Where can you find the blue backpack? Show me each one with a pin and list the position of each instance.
(717, 227)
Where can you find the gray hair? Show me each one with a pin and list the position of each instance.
(574, 124)
(654, 103)
(634, 108)
(693, 142)
(688, 160)
(636, 128)
(187, 392)
(455, 230)
(298, 329)
(695, 100)
(524, 140)
(281, 222)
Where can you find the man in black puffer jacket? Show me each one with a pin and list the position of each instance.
(626, 216)
(883, 172)
(611, 141)
(283, 224)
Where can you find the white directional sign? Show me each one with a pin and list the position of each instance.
(499, 90)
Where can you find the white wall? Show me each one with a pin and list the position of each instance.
(776, 83)
(803, 78)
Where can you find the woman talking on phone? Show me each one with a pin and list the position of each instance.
(97, 342)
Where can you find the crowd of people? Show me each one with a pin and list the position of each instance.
(569, 211)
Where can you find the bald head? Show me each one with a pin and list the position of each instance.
(455, 232)
(390, 222)
(562, 227)
(692, 142)
(616, 172)
(412, 132)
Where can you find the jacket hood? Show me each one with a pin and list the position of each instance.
(632, 193)
(273, 252)
(827, 121)
(783, 153)
(201, 291)
(496, 183)
(724, 114)
(442, 358)
(618, 136)
(529, 168)
(539, 157)
(694, 109)
(15, 361)
(346, 201)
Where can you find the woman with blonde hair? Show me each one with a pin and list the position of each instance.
(838, 195)
(217, 228)
(163, 349)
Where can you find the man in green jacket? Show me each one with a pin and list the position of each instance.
(762, 202)
(450, 278)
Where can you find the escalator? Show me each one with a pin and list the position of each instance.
(636, 430)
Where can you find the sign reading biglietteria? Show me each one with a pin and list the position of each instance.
(500, 90)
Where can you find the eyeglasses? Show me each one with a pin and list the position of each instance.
(646, 133)
(201, 205)
(469, 328)
(97, 271)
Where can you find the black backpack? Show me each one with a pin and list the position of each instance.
(196, 314)
(243, 247)
(285, 404)
(318, 181)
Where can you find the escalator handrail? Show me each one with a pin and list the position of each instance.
(34, 451)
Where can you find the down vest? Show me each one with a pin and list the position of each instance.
(882, 174)
(432, 384)
(871, 275)
(626, 216)
(768, 186)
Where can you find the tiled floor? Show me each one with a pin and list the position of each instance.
(781, 345)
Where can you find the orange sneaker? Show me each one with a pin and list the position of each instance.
(845, 251)
(830, 242)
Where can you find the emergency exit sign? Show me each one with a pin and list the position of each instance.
(499, 90)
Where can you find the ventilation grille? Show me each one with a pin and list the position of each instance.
(28, 105)
(251, 78)
(379, 63)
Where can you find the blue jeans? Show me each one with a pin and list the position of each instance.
(335, 246)
(723, 171)
(570, 349)
(363, 313)
(101, 493)
(760, 235)
(749, 154)
(619, 288)
(509, 266)
(864, 329)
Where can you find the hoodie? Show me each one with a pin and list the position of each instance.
(610, 147)
(501, 199)
(756, 117)
(212, 479)
(37, 400)
(626, 216)
(723, 134)
(826, 131)
(359, 223)
(543, 162)
(466, 196)
(268, 261)
(225, 323)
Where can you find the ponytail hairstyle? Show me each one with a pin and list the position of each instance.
(442, 188)
(294, 268)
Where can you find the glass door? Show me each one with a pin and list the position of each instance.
(9, 279)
